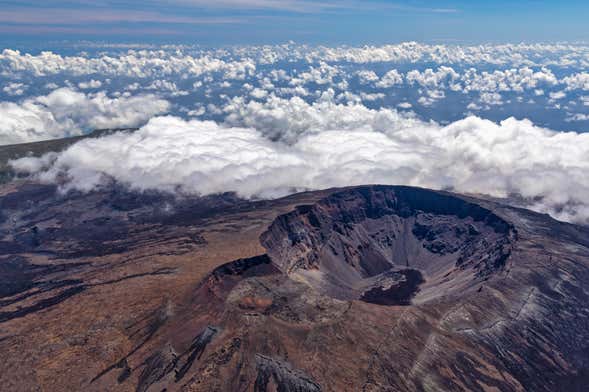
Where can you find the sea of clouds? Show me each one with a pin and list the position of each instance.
(267, 121)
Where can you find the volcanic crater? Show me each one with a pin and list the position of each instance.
(387, 245)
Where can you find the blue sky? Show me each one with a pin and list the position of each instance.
(273, 21)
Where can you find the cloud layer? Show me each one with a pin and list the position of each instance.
(66, 112)
(265, 121)
(544, 82)
(203, 157)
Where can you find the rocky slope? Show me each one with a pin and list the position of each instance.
(374, 288)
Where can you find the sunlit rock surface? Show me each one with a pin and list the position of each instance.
(372, 288)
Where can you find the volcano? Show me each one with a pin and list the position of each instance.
(369, 288)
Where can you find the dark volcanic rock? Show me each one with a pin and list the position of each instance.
(281, 375)
(398, 293)
(168, 362)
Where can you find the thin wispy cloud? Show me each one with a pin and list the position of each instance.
(321, 21)
(302, 6)
(305, 6)
(179, 17)
(76, 17)
(82, 11)
(94, 31)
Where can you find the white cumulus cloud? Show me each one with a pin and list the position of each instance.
(288, 119)
(470, 155)
(65, 112)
